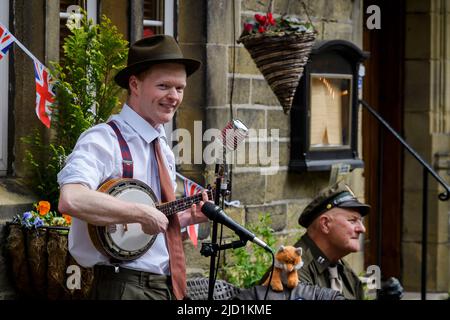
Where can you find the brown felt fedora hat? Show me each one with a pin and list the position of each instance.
(153, 50)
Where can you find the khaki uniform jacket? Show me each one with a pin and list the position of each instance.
(315, 270)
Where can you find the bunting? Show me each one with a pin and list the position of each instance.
(6, 41)
(44, 85)
(44, 93)
(191, 188)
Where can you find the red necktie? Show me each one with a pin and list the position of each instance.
(173, 233)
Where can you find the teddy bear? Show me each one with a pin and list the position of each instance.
(288, 260)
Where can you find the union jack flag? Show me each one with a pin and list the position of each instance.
(191, 188)
(44, 93)
(6, 41)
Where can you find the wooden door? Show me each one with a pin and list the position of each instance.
(383, 90)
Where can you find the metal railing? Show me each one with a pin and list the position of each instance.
(427, 169)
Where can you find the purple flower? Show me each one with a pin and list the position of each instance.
(38, 222)
(27, 215)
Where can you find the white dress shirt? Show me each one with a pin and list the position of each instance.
(97, 158)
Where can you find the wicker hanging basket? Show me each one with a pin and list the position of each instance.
(281, 58)
(280, 48)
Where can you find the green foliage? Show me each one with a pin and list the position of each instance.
(245, 266)
(45, 161)
(86, 94)
(92, 56)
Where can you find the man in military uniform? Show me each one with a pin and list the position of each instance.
(333, 222)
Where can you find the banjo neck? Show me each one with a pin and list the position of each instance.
(173, 207)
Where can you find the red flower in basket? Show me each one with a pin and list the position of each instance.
(269, 41)
(270, 19)
(268, 24)
(261, 19)
(248, 27)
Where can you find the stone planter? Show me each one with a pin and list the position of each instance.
(38, 261)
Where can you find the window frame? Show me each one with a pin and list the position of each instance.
(91, 9)
(336, 58)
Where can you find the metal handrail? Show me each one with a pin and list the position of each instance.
(427, 169)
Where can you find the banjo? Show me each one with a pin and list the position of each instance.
(126, 242)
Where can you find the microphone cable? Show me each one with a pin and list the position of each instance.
(270, 277)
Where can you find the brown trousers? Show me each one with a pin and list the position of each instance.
(129, 284)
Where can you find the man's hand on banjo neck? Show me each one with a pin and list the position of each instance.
(194, 214)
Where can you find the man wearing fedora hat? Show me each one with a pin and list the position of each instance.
(333, 222)
(133, 145)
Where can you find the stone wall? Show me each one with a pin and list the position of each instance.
(14, 199)
(28, 25)
(426, 102)
(281, 193)
(207, 31)
(36, 25)
(192, 16)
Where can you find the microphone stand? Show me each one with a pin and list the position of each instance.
(240, 131)
(211, 249)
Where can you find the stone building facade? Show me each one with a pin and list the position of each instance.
(426, 127)
(228, 66)
(207, 31)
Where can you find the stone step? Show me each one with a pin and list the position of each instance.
(410, 295)
(15, 198)
(7, 212)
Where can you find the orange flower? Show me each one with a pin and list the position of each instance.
(43, 207)
(67, 218)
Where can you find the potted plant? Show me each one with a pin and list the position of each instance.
(36, 247)
(280, 48)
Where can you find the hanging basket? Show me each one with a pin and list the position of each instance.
(281, 58)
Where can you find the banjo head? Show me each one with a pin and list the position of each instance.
(126, 241)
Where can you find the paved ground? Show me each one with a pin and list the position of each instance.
(430, 296)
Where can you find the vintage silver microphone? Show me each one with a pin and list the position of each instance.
(233, 134)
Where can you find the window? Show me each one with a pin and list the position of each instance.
(4, 83)
(330, 100)
(67, 7)
(324, 115)
(158, 17)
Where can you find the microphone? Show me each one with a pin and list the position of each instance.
(233, 134)
(224, 142)
(215, 213)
